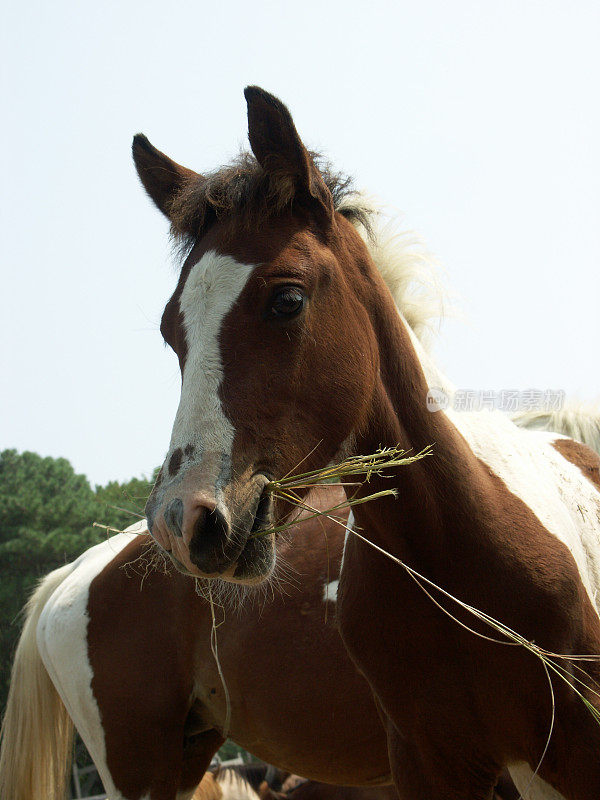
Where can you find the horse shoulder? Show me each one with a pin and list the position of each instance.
(555, 477)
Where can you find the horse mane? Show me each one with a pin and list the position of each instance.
(254, 774)
(408, 269)
(244, 188)
(579, 421)
(235, 783)
(208, 788)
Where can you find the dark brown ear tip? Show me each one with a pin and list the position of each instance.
(255, 93)
(141, 143)
(251, 92)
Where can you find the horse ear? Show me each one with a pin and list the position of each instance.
(279, 150)
(162, 178)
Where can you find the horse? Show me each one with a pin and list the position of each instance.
(158, 742)
(160, 720)
(124, 645)
(315, 790)
(293, 354)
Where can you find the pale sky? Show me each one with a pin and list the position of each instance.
(479, 121)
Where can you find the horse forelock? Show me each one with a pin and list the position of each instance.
(245, 189)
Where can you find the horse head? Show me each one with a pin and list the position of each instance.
(275, 321)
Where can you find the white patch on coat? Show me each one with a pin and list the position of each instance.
(62, 642)
(211, 289)
(566, 503)
(556, 491)
(330, 591)
(536, 789)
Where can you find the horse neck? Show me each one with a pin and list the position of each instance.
(399, 416)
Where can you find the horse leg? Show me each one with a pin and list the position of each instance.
(198, 752)
(162, 764)
(418, 776)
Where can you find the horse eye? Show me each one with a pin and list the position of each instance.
(287, 302)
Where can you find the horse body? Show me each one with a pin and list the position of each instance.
(127, 646)
(292, 351)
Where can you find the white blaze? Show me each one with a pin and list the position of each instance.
(211, 289)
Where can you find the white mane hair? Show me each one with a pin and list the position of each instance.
(577, 420)
(410, 271)
(413, 277)
(234, 786)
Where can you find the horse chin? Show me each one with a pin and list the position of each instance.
(254, 565)
(256, 562)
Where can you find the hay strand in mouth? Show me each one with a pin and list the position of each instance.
(377, 463)
(374, 464)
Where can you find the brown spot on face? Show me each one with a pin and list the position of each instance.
(175, 461)
(582, 457)
(189, 450)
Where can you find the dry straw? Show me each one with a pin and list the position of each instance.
(288, 487)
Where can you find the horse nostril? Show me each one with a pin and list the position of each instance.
(210, 540)
(174, 517)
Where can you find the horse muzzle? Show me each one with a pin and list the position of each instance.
(205, 539)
